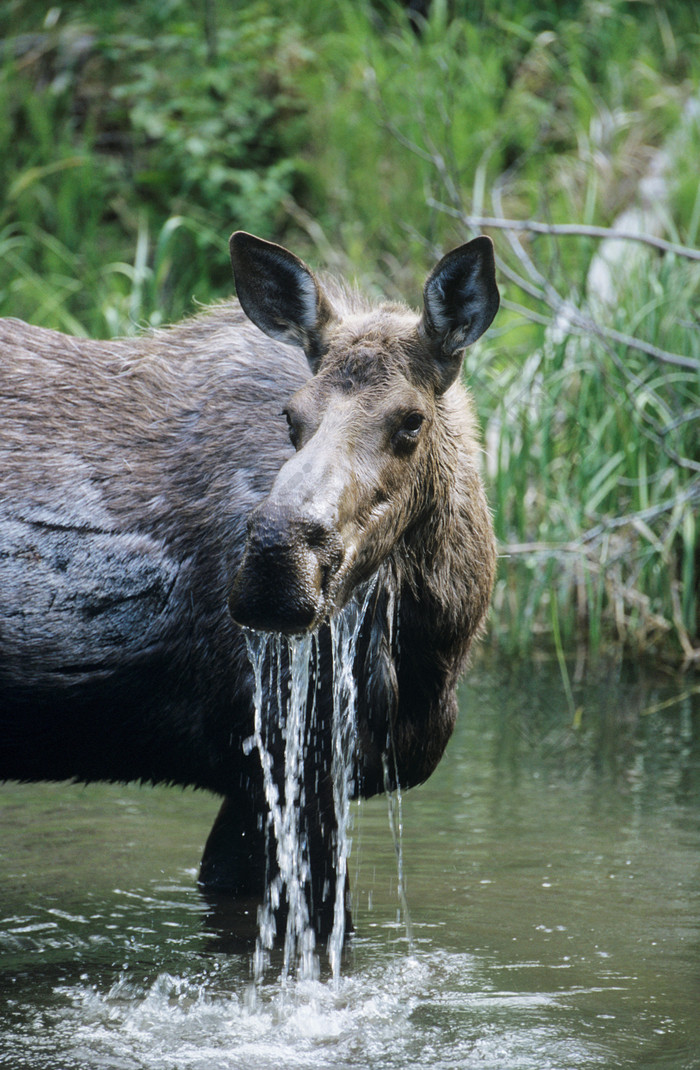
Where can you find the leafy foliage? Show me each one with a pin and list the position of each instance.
(145, 128)
(133, 138)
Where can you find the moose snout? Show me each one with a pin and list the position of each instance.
(283, 581)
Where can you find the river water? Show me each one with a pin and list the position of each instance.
(550, 869)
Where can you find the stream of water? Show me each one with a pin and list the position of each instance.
(293, 714)
(551, 869)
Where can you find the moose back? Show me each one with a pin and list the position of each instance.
(248, 468)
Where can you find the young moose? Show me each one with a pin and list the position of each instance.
(160, 494)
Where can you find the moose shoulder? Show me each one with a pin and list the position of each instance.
(250, 467)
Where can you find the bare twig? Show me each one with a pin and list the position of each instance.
(577, 546)
(578, 321)
(577, 230)
(585, 323)
(537, 286)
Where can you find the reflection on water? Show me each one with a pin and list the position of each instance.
(551, 873)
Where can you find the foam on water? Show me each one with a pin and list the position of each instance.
(432, 1009)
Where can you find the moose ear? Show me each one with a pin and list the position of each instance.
(460, 300)
(279, 293)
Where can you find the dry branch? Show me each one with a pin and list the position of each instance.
(577, 230)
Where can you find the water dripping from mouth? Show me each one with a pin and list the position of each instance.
(393, 793)
(345, 631)
(395, 804)
(268, 655)
(289, 665)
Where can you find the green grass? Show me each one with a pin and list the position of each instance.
(595, 464)
(134, 139)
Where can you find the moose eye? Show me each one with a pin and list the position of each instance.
(293, 429)
(408, 430)
(412, 424)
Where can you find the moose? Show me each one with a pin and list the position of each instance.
(247, 469)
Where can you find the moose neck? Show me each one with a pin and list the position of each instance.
(443, 568)
(447, 558)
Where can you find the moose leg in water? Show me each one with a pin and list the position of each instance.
(293, 848)
(250, 468)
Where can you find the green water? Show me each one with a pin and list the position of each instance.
(552, 880)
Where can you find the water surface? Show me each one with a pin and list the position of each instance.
(551, 871)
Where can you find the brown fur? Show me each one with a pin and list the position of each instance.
(133, 474)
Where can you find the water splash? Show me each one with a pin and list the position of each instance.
(290, 666)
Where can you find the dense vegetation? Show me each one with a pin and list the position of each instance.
(133, 138)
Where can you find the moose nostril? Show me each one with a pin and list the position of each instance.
(325, 576)
(327, 546)
(317, 535)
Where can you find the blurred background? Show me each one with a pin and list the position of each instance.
(369, 136)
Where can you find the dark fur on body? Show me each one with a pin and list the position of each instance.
(129, 471)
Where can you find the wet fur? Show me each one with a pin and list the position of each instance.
(128, 470)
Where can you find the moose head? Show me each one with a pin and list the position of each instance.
(370, 427)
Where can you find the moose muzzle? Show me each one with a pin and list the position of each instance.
(289, 561)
